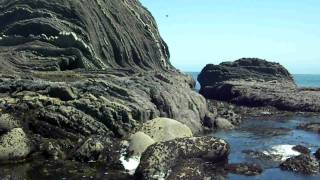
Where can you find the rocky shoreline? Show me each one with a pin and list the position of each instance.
(87, 87)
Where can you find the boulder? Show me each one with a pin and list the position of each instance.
(94, 149)
(161, 157)
(222, 123)
(304, 164)
(52, 150)
(139, 142)
(165, 129)
(61, 92)
(8, 122)
(256, 83)
(301, 149)
(14, 145)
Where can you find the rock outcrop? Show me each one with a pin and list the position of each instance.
(304, 164)
(71, 70)
(161, 158)
(256, 83)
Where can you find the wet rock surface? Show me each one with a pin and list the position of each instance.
(304, 164)
(256, 83)
(313, 127)
(159, 158)
(301, 149)
(244, 169)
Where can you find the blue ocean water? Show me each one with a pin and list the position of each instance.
(302, 80)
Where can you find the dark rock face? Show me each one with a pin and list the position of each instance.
(160, 158)
(72, 70)
(304, 164)
(256, 83)
(301, 149)
(65, 35)
(317, 154)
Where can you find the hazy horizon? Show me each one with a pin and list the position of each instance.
(213, 31)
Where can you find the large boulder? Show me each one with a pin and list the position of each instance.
(14, 145)
(157, 130)
(160, 158)
(165, 129)
(256, 83)
(139, 142)
(304, 164)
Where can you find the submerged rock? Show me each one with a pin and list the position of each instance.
(244, 169)
(256, 83)
(313, 127)
(159, 158)
(304, 164)
(14, 145)
(301, 149)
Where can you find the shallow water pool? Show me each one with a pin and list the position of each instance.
(270, 135)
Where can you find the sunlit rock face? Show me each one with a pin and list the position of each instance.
(49, 35)
(76, 71)
(256, 83)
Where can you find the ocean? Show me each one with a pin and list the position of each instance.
(302, 80)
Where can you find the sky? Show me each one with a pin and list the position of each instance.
(199, 32)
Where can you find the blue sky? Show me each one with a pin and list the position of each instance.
(211, 31)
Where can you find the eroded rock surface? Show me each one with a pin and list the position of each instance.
(72, 70)
(256, 83)
(304, 164)
(14, 145)
(160, 158)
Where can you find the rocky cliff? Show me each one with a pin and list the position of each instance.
(72, 72)
(255, 82)
(65, 35)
